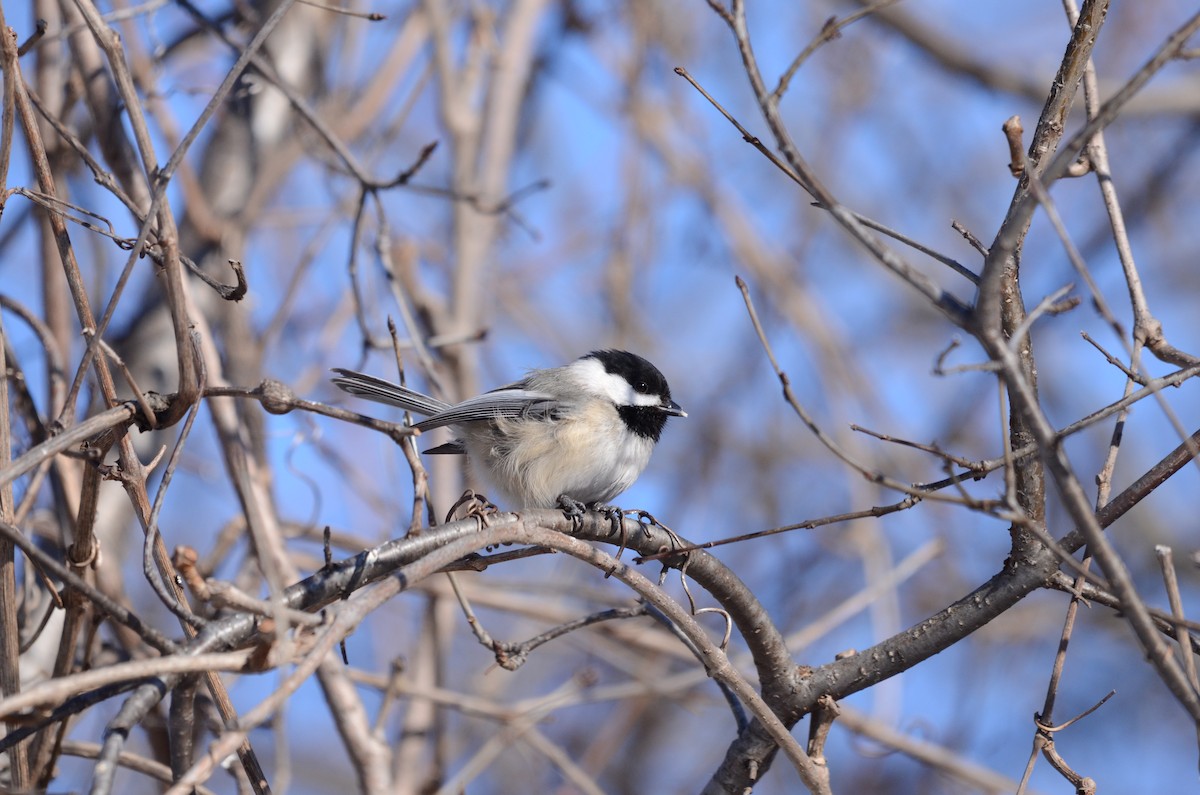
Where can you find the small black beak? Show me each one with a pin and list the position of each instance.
(672, 408)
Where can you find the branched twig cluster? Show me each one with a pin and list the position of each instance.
(168, 529)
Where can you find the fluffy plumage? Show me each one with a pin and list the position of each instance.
(584, 431)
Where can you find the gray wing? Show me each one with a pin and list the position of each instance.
(381, 391)
(457, 447)
(506, 402)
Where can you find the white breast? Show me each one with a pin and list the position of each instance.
(560, 458)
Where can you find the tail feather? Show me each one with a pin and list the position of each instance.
(381, 391)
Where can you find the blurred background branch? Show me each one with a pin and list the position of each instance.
(453, 192)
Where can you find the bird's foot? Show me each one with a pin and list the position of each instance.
(472, 505)
(615, 516)
(573, 509)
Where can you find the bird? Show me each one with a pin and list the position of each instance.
(568, 437)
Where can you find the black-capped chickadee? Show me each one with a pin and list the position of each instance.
(580, 433)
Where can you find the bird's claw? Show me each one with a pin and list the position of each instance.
(573, 509)
(472, 505)
(615, 516)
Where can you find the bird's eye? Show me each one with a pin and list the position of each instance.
(641, 386)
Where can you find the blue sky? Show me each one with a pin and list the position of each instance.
(896, 139)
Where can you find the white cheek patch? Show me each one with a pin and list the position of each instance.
(642, 399)
(594, 378)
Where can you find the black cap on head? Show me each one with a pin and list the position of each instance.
(646, 379)
(641, 374)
